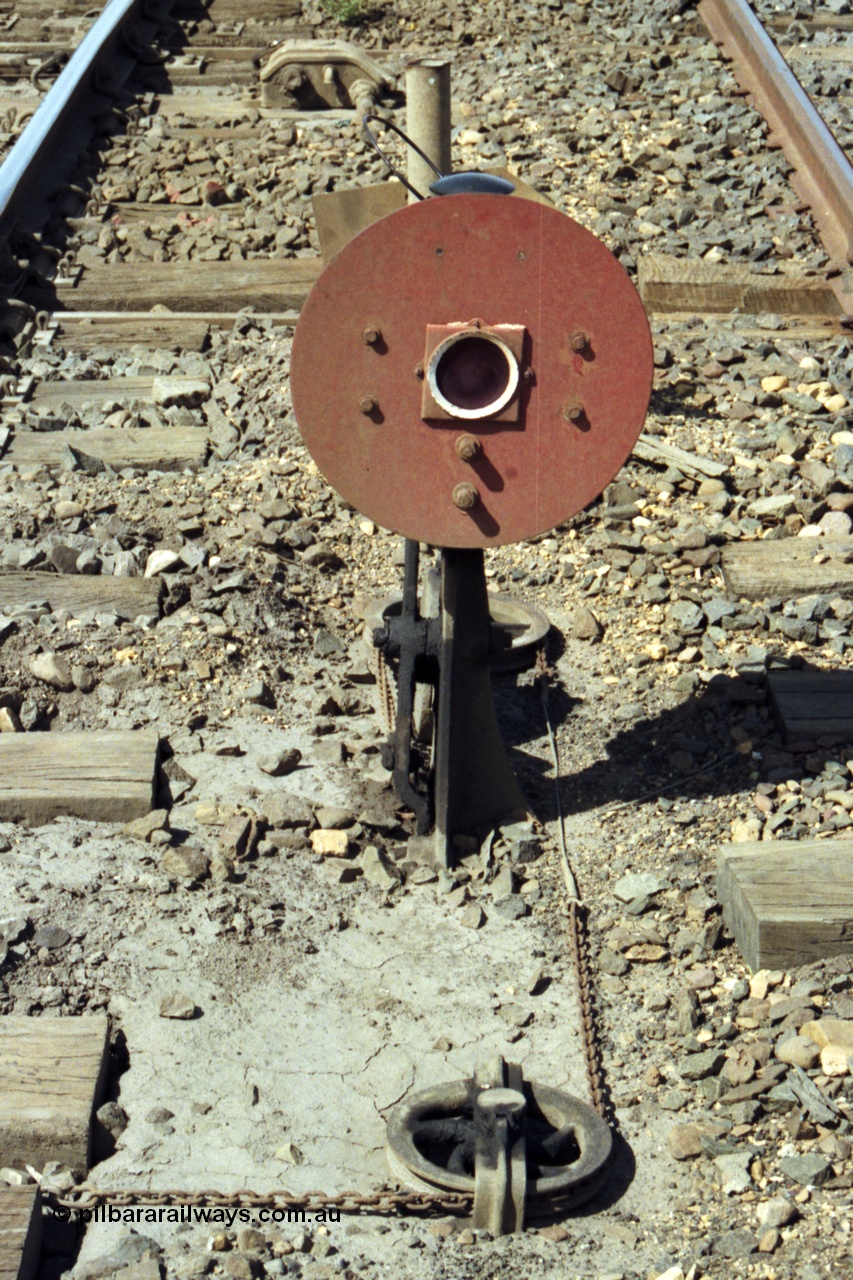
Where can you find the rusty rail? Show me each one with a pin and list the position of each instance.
(823, 176)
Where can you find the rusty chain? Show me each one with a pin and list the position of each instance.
(578, 934)
(86, 1197)
(579, 947)
(386, 690)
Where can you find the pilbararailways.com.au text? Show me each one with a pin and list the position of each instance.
(138, 1215)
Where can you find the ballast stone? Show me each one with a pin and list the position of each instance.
(777, 1212)
(163, 561)
(734, 1170)
(144, 828)
(51, 937)
(697, 1066)
(177, 1005)
(775, 504)
(684, 1141)
(798, 1051)
(66, 509)
(330, 843)
(738, 1243)
(52, 670)
(584, 625)
(810, 1170)
(279, 764)
(639, 884)
(113, 1117)
(823, 1031)
(185, 863)
(63, 558)
(130, 1251)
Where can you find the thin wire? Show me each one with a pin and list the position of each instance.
(670, 786)
(389, 124)
(568, 874)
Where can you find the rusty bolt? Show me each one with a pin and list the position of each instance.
(464, 496)
(368, 403)
(467, 447)
(528, 376)
(419, 371)
(579, 341)
(370, 335)
(573, 411)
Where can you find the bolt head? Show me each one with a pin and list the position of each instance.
(419, 371)
(572, 411)
(579, 340)
(368, 403)
(465, 496)
(370, 335)
(467, 447)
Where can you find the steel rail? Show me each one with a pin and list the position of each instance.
(823, 176)
(27, 173)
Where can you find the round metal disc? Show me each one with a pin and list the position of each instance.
(446, 262)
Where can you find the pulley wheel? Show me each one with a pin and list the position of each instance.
(525, 625)
(429, 1142)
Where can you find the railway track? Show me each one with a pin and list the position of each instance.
(175, 571)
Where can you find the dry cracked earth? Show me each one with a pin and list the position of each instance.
(278, 967)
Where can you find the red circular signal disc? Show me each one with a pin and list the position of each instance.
(447, 261)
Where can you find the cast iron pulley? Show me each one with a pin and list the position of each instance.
(472, 371)
(518, 627)
(516, 1145)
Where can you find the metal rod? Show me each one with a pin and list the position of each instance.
(474, 783)
(410, 578)
(500, 1167)
(404, 784)
(824, 175)
(428, 125)
(428, 120)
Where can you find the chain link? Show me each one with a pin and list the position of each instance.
(387, 692)
(578, 935)
(86, 1197)
(579, 947)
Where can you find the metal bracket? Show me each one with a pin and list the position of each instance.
(500, 1149)
(474, 783)
(517, 628)
(318, 74)
(468, 783)
(415, 642)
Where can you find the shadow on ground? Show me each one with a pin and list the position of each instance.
(684, 751)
